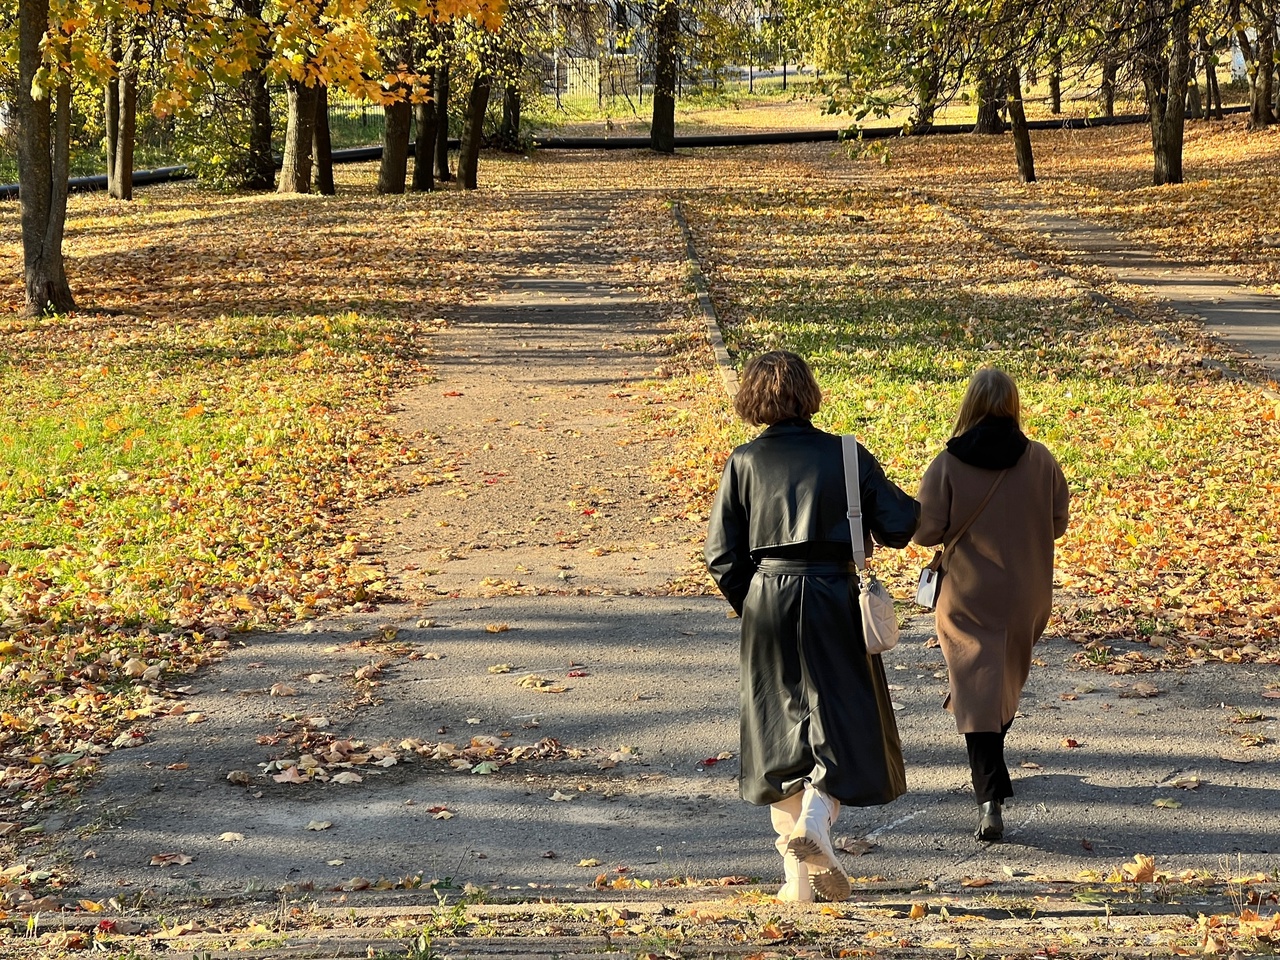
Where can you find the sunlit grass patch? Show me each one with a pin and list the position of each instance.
(163, 482)
(155, 470)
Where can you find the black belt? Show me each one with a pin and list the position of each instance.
(806, 568)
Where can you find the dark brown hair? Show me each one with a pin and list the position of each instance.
(776, 386)
(991, 392)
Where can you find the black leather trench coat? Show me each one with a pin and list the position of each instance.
(815, 705)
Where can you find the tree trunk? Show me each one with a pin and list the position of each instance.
(295, 171)
(395, 145)
(1212, 93)
(1164, 76)
(1018, 125)
(473, 132)
(1055, 85)
(662, 128)
(509, 132)
(260, 162)
(926, 100)
(1259, 56)
(442, 124)
(424, 118)
(111, 101)
(1194, 109)
(990, 98)
(1107, 91)
(322, 144)
(259, 171)
(1260, 110)
(120, 183)
(44, 159)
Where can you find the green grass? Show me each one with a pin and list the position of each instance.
(164, 465)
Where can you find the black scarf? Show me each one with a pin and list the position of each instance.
(994, 443)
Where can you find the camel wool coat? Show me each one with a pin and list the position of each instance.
(997, 587)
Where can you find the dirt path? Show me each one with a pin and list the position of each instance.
(539, 473)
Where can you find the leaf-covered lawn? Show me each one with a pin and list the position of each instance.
(1176, 487)
(182, 460)
(1224, 216)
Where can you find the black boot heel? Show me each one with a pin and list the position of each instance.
(990, 822)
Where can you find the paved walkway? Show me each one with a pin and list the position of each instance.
(1244, 319)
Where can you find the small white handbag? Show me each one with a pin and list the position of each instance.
(879, 619)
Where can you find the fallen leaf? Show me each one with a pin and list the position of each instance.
(590, 862)
(231, 837)
(240, 778)
(977, 882)
(918, 910)
(1069, 743)
(289, 775)
(181, 930)
(561, 796)
(1141, 870)
(319, 825)
(347, 776)
(854, 846)
(282, 690)
(171, 860)
(1141, 689)
(496, 628)
(500, 668)
(1166, 802)
(541, 684)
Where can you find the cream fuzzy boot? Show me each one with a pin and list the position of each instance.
(810, 842)
(796, 888)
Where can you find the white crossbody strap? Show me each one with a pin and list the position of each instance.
(853, 491)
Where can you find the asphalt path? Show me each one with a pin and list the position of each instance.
(653, 698)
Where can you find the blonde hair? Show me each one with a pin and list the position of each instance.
(776, 386)
(991, 393)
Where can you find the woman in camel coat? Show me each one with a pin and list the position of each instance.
(997, 587)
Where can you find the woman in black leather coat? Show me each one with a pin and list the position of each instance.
(817, 724)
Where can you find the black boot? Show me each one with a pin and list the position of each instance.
(990, 822)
